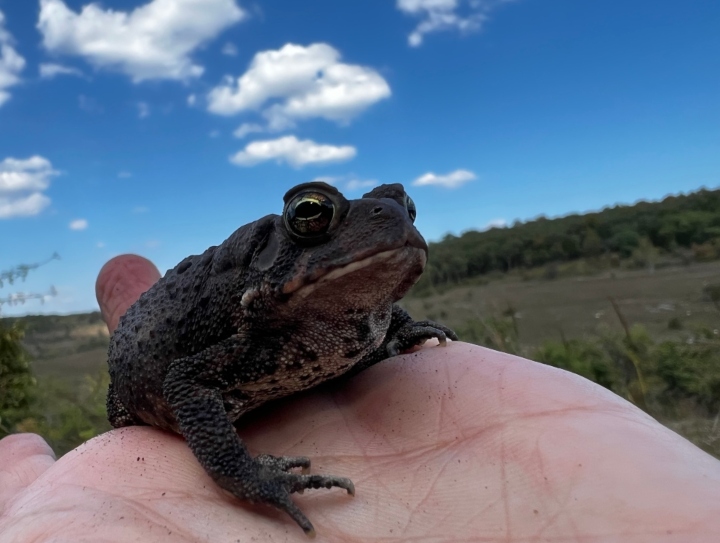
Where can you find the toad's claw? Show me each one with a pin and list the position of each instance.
(298, 483)
(416, 333)
(447, 331)
(279, 484)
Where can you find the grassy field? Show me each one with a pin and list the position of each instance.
(578, 306)
(67, 347)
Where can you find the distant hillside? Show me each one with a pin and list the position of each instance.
(53, 336)
(686, 228)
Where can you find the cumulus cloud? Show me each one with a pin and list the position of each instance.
(78, 224)
(247, 128)
(50, 70)
(349, 182)
(496, 223)
(23, 206)
(22, 183)
(153, 41)
(358, 184)
(297, 82)
(442, 15)
(292, 151)
(451, 180)
(11, 63)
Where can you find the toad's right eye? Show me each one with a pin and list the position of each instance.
(309, 214)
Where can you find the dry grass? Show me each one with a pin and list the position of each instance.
(579, 306)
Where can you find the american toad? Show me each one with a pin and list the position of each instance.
(285, 303)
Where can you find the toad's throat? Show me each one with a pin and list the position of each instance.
(304, 287)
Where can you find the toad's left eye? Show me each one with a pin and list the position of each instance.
(309, 214)
(410, 205)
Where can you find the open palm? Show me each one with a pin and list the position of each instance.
(461, 443)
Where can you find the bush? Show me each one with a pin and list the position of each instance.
(66, 415)
(583, 357)
(17, 384)
(690, 369)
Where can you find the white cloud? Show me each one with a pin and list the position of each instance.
(30, 174)
(295, 152)
(348, 182)
(100, 244)
(357, 184)
(23, 206)
(230, 49)
(11, 63)
(451, 180)
(78, 224)
(140, 209)
(247, 128)
(22, 183)
(191, 100)
(143, 109)
(496, 223)
(153, 41)
(50, 70)
(214, 134)
(297, 82)
(442, 15)
(124, 175)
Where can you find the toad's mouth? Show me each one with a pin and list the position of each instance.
(397, 268)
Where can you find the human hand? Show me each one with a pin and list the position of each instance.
(460, 443)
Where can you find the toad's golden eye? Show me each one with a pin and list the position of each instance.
(309, 214)
(410, 205)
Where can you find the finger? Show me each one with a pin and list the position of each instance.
(23, 458)
(120, 282)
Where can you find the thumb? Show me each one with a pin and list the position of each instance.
(120, 283)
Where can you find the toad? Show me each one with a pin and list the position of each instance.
(285, 303)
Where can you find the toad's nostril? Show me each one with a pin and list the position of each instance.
(377, 210)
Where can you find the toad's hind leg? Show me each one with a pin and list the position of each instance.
(203, 421)
(118, 415)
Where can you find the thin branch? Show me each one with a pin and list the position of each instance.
(21, 271)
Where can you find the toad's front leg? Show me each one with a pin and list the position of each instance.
(192, 391)
(403, 334)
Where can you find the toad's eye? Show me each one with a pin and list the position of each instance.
(309, 214)
(410, 205)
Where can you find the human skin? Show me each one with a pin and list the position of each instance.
(454, 444)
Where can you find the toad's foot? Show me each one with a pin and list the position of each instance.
(273, 485)
(416, 333)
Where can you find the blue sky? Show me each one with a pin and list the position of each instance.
(158, 127)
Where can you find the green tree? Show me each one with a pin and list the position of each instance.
(17, 383)
(592, 244)
(624, 242)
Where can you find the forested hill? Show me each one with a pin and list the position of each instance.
(687, 225)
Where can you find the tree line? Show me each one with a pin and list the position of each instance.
(686, 225)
